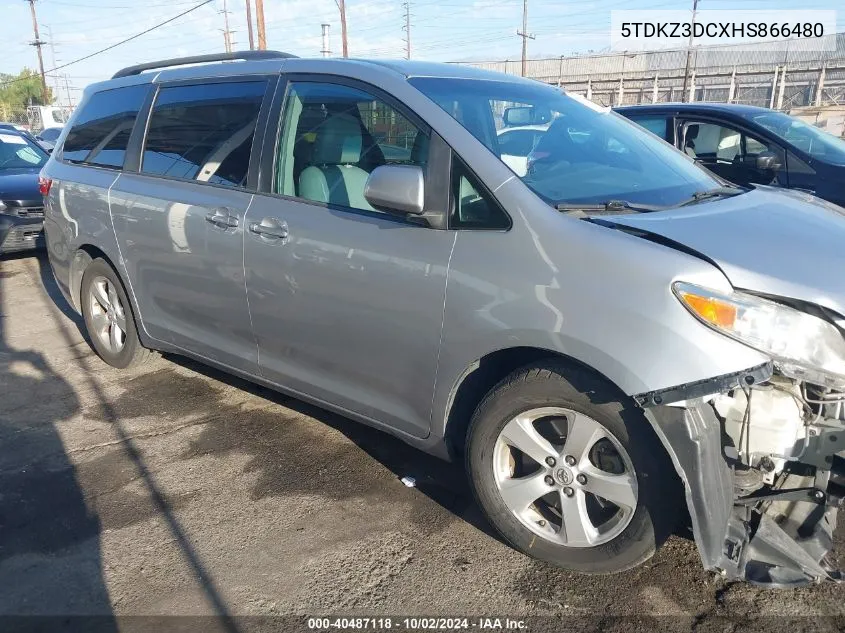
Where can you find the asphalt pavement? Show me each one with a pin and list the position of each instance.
(177, 490)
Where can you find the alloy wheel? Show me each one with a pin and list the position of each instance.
(565, 477)
(108, 316)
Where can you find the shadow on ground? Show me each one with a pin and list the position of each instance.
(50, 559)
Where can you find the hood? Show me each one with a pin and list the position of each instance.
(20, 185)
(773, 241)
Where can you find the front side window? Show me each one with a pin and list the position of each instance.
(203, 132)
(100, 132)
(585, 154)
(733, 154)
(334, 136)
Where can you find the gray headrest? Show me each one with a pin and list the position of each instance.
(339, 141)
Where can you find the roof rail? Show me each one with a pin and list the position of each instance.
(200, 59)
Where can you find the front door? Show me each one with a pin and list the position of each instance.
(346, 301)
(732, 153)
(180, 221)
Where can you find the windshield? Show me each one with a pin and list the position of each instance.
(817, 143)
(16, 151)
(51, 134)
(582, 153)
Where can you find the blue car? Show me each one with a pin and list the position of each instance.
(747, 145)
(21, 202)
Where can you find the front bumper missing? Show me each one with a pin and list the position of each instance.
(775, 542)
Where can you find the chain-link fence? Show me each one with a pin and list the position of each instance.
(16, 116)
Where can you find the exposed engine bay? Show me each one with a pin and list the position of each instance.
(762, 472)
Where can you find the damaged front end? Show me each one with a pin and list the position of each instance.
(757, 453)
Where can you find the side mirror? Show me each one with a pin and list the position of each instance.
(768, 161)
(396, 189)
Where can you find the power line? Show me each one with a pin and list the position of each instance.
(108, 48)
(124, 6)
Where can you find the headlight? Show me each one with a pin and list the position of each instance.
(2, 207)
(801, 345)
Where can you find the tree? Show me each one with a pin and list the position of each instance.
(17, 92)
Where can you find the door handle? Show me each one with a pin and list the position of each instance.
(222, 219)
(270, 228)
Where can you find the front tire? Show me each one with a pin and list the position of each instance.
(108, 317)
(569, 471)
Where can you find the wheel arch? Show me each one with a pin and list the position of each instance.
(84, 255)
(483, 374)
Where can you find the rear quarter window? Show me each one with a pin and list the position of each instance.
(100, 133)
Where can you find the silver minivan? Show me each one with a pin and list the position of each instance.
(612, 339)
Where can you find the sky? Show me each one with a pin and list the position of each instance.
(446, 30)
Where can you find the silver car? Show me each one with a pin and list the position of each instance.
(610, 338)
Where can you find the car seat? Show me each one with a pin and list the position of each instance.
(334, 176)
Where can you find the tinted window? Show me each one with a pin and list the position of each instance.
(101, 130)
(654, 124)
(334, 136)
(203, 132)
(473, 207)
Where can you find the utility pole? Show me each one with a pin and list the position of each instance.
(227, 34)
(53, 64)
(249, 24)
(525, 35)
(37, 43)
(259, 19)
(67, 91)
(684, 96)
(341, 5)
(407, 5)
(327, 51)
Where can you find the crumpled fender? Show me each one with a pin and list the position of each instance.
(756, 550)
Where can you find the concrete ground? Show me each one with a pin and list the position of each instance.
(178, 490)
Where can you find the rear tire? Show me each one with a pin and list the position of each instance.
(585, 437)
(108, 317)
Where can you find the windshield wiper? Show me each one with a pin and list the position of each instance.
(719, 192)
(611, 206)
